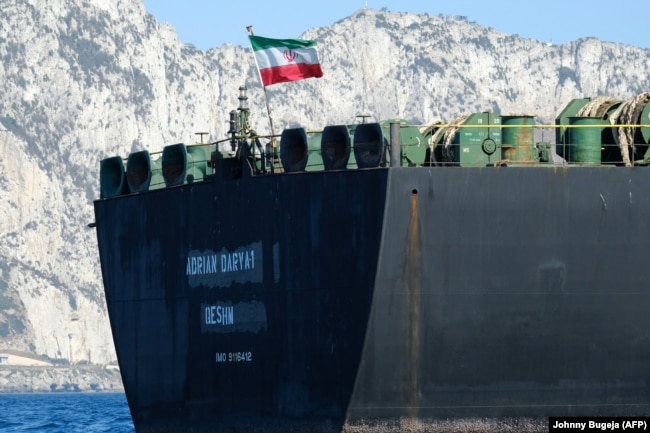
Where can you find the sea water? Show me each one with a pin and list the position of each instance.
(65, 412)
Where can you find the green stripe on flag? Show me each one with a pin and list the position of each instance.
(261, 43)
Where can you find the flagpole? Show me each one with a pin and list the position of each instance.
(268, 108)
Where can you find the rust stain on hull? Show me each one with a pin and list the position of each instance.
(413, 280)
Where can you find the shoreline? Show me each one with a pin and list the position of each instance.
(17, 379)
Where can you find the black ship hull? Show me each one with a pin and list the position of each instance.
(316, 301)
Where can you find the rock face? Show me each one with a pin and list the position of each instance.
(82, 80)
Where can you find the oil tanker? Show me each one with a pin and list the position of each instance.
(382, 276)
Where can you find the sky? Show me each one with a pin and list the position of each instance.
(208, 23)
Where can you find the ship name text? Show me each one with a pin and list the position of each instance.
(225, 268)
(221, 262)
(223, 315)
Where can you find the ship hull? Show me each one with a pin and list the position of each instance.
(327, 300)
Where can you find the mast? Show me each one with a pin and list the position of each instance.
(249, 29)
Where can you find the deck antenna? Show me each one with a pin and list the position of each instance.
(249, 29)
(363, 117)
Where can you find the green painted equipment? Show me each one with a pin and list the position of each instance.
(331, 148)
(476, 142)
(294, 150)
(413, 143)
(368, 145)
(585, 140)
(112, 177)
(143, 173)
(335, 147)
(314, 158)
(518, 140)
(562, 120)
(602, 108)
(184, 164)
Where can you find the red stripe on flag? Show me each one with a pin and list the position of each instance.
(292, 72)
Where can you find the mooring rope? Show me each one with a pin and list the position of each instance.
(598, 106)
(627, 114)
(450, 132)
(448, 138)
(432, 130)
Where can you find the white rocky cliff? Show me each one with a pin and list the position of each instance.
(81, 80)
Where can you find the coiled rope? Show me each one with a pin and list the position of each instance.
(448, 138)
(627, 114)
(598, 106)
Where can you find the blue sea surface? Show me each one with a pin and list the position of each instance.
(65, 412)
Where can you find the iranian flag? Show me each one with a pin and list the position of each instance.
(282, 60)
